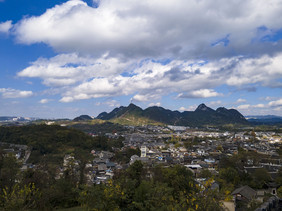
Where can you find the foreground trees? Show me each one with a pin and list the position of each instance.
(136, 188)
(140, 188)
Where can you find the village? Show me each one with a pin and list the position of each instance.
(168, 146)
(199, 150)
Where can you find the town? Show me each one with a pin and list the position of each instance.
(204, 152)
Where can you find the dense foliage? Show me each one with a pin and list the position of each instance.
(98, 128)
(51, 143)
(202, 116)
(136, 188)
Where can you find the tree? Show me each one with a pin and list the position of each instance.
(20, 197)
(205, 173)
(260, 176)
(9, 172)
(135, 171)
(230, 175)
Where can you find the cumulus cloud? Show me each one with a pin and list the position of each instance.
(190, 108)
(151, 48)
(69, 69)
(155, 104)
(265, 70)
(215, 103)
(201, 93)
(111, 103)
(245, 106)
(182, 109)
(5, 26)
(276, 103)
(44, 101)
(240, 100)
(268, 98)
(145, 97)
(86, 77)
(260, 105)
(13, 93)
(248, 106)
(133, 29)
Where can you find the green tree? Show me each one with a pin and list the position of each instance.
(230, 175)
(260, 176)
(20, 198)
(9, 172)
(205, 173)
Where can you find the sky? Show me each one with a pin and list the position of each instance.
(64, 58)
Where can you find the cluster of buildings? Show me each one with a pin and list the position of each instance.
(196, 149)
(21, 152)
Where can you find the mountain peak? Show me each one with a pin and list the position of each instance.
(83, 118)
(132, 105)
(203, 115)
(220, 109)
(203, 107)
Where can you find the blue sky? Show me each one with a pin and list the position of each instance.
(66, 58)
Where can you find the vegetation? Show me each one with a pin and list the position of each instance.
(136, 188)
(97, 127)
(203, 116)
(139, 187)
(51, 143)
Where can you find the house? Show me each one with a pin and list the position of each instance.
(244, 193)
(270, 188)
(195, 168)
(106, 154)
(102, 168)
(273, 203)
(166, 153)
(144, 151)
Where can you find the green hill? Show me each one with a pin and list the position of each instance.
(202, 116)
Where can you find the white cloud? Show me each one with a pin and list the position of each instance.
(133, 29)
(111, 103)
(66, 99)
(69, 69)
(86, 77)
(275, 103)
(44, 101)
(248, 106)
(190, 108)
(155, 104)
(259, 106)
(145, 97)
(215, 103)
(265, 70)
(117, 45)
(5, 27)
(245, 106)
(268, 98)
(201, 93)
(182, 109)
(240, 100)
(13, 93)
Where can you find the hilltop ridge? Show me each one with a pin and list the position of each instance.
(202, 116)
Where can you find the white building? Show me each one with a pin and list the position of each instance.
(144, 151)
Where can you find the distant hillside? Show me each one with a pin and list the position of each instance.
(202, 116)
(82, 118)
(131, 115)
(265, 120)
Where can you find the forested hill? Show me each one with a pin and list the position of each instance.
(202, 116)
(52, 142)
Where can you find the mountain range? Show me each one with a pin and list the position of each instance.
(202, 116)
(265, 120)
